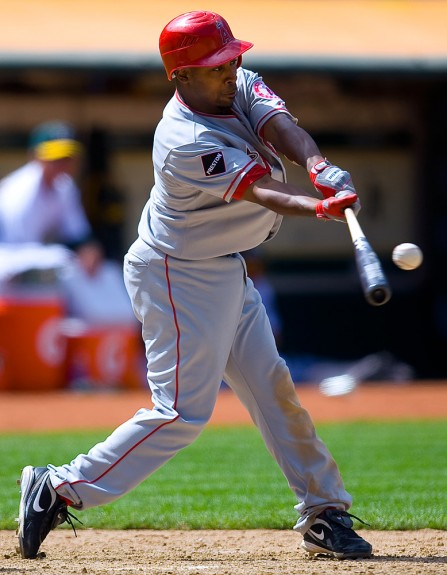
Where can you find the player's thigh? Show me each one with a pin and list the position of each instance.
(190, 312)
(254, 367)
(207, 299)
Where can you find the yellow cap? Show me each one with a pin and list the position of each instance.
(57, 149)
(54, 141)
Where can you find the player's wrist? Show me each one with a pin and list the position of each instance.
(319, 211)
(318, 166)
(313, 162)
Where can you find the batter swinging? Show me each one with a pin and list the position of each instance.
(220, 188)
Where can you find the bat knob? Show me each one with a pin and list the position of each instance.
(379, 295)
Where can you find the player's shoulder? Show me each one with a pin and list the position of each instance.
(252, 86)
(246, 76)
(179, 125)
(176, 112)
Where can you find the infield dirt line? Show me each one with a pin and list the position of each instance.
(100, 409)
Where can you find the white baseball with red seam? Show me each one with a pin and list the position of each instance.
(407, 256)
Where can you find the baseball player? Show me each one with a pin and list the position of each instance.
(220, 188)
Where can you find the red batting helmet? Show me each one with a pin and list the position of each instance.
(198, 39)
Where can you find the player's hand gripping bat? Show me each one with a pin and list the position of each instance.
(372, 278)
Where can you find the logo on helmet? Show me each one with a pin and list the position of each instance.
(224, 34)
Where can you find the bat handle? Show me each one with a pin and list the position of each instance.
(353, 224)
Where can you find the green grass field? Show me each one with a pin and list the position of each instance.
(396, 472)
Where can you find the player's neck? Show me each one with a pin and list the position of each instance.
(195, 104)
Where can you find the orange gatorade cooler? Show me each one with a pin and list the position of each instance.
(32, 354)
(107, 357)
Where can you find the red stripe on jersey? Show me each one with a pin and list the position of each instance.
(121, 458)
(234, 179)
(174, 313)
(252, 176)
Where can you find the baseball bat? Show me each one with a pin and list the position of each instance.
(374, 283)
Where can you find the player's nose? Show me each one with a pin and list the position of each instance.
(230, 73)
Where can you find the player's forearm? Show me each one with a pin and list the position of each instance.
(282, 198)
(292, 141)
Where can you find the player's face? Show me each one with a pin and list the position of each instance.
(212, 90)
(54, 168)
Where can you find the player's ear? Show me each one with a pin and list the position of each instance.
(183, 76)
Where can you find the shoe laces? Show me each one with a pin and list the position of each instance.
(64, 516)
(355, 517)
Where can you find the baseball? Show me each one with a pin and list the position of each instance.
(407, 256)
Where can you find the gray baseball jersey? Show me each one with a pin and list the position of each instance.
(202, 318)
(203, 166)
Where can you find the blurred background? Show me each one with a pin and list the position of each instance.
(368, 80)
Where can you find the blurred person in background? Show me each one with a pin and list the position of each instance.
(40, 202)
(41, 207)
(94, 290)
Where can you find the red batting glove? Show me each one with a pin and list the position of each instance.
(329, 179)
(333, 208)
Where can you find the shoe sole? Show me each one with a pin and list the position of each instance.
(25, 482)
(315, 549)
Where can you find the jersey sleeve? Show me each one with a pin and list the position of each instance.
(223, 172)
(260, 101)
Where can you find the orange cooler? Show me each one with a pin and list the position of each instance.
(104, 357)
(32, 350)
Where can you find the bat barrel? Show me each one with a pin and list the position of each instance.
(375, 285)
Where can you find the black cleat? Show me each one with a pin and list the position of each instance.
(332, 534)
(41, 510)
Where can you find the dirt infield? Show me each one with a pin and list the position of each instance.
(86, 410)
(254, 552)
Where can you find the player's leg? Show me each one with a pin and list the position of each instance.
(180, 304)
(136, 448)
(261, 379)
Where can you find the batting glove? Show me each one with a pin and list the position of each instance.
(356, 206)
(329, 179)
(333, 208)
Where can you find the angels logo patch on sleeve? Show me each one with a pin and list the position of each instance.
(263, 91)
(213, 164)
